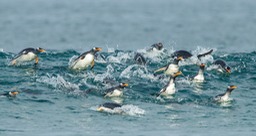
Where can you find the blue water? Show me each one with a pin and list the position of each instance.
(53, 100)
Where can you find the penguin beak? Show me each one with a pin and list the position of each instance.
(98, 49)
(41, 50)
(180, 58)
(202, 65)
(228, 70)
(15, 93)
(125, 84)
(233, 87)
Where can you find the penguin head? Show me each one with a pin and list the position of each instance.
(202, 66)
(40, 49)
(96, 49)
(231, 88)
(13, 93)
(228, 69)
(123, 85)
(158, 46)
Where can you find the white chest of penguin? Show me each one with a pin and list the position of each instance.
(199, 78)
(27, 57)
(172, 68)
(170, 89)
(116, 93)
(84, 63)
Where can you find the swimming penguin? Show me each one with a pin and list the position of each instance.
(139, 59)
(26, 55)
(225, 96)
(222, 66)
(109, 107)
(200, 76)
(156, 47)
(115, 91)
(172, 68)
(185, 54)
(170, 89)
(10, 94)
(84, 60)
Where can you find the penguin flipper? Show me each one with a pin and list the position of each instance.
(204, 54)
(160, 69)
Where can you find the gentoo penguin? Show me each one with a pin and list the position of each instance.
(200, 75)
(185, 54)
(225, 96)
(10, 94)
(84, 60)
(170, 89)
(156, 47)
(108, 107)
(172, 68)
(26, 55)
(115, 91)
(222, 66)
(139, 59)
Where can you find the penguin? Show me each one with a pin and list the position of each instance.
(139, 59)
(185, 54)
(156, 47)
(170, 89)
(85, 60)
(108, 107)
(172, 68)
(26, 55)
(181, 53)
(115, 91)
(200, 76)
(10, 94)
(225, 96)
(222, 66)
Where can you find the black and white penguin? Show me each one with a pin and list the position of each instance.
(109, 107)
(200, 75)
(172, 68)
(156, 47)
(185, 54)
(222, 66)
(139, 59)
(26, 55)
(85, 60)
(170, 89)
(10, 94)
(225, 96)
(115, 91)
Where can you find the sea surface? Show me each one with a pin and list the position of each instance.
(55, 100)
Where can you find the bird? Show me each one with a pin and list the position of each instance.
(222, 66)
(139, 59)
(185, 54)
(27, 55)
(225, 96)
(109, 107)
(115, 91)
(156, 47)
(200, 75)
(85, 60)
(171, 68)
(170, 89)
(10, 94)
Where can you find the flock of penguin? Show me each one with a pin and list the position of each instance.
(86, 60)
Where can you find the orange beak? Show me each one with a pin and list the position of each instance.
(98, 49)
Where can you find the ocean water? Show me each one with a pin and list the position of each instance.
(53, 99)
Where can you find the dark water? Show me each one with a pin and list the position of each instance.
(53, 99)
